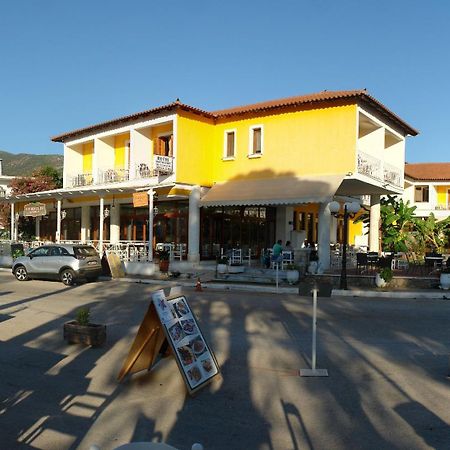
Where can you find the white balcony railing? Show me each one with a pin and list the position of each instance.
(379, 170)
(112, 176)
(370, 166)
(162, 165)
(392, 174)
(81, 179)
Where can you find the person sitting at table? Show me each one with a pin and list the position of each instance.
(288, 247)
(277, 251)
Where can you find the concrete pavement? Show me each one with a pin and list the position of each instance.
(387, 360)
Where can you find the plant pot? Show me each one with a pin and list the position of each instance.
(92, 334)
(164, 266)
(445, 281)
(292, 276)
(379, 282)
(221, 268)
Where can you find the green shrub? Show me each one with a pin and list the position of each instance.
(83, 316)
(386, 274)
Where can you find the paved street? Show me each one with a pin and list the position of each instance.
(387, 360)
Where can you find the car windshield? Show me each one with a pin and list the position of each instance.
(85, 251)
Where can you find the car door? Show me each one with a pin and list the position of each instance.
(55, 260)
(38, 260)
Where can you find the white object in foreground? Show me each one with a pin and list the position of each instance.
(313, 372)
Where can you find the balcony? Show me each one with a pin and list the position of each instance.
(379, 170)
(113, 176)
(162, 165)
(81, 179)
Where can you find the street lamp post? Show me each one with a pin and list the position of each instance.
(349, 211)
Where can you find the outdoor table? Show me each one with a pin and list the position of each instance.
(435, 260)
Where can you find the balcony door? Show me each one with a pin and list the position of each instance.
(164, 145)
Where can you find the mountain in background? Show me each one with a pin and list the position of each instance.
(24, 164)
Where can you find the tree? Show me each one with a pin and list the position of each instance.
(432, 233)
(43, 179)
(397, 221)
(49, 172)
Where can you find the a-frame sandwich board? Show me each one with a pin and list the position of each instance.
(146, 346)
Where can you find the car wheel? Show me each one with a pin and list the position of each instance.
(21, 273)
(67, 277)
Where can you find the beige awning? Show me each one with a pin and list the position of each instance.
(273, 191)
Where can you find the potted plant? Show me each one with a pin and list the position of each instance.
(292, 273)
(164, 257)
(445, 276)
(222, 263)
(82, 331)
(383, 277)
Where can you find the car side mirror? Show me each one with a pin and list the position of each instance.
(30, 256)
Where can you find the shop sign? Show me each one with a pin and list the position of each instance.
(140, 199)
(35, 209)
(163, 164)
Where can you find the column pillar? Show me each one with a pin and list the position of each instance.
(114, 223)
(194, 225)
(150, 224)
(85, 223)
(100, 231)
(374, 228)
(333, 230)
(284, 224)
(324, 235)
(13, 224)
(37, 227)
(58, 221)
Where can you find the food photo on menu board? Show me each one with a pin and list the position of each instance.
(195, 358)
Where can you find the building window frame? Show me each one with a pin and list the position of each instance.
(225, 156)
(424, 190)
(252, 153)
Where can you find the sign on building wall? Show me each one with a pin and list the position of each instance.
(140, 199)
(34, 209)
(163, 164)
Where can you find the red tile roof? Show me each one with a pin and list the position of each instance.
(356, 96)
(428, 171)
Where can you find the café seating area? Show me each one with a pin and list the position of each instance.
(404, 264)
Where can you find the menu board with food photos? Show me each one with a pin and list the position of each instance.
(194, 357)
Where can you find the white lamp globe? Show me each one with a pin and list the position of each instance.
(334, 207)
(353, 207)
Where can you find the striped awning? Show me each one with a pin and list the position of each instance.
(273, 191)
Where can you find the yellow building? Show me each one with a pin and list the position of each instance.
(243, 176)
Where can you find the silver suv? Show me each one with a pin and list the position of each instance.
(64, 262)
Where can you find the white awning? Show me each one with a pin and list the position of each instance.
(273, 191)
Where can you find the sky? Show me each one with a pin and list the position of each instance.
(69, 64)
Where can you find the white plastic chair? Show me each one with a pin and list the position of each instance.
(236, 256)
(287, 258)
(248, 256)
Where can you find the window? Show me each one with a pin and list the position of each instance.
(229, 150)
(164, 145)
(256, 143)
(41, 251)
(422, 194)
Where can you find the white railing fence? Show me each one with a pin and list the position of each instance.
(379, 170)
